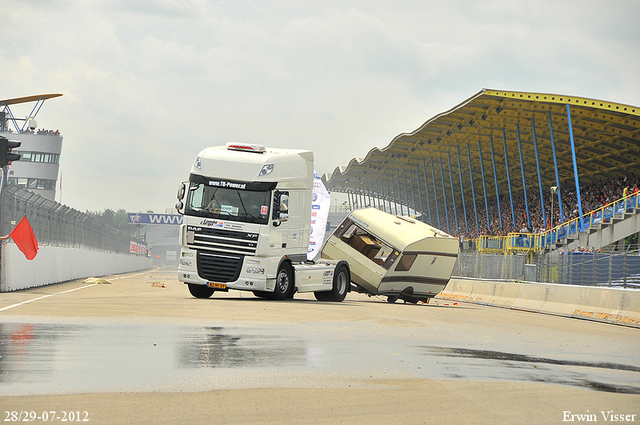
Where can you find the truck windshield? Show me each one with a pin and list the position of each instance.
(228, 204)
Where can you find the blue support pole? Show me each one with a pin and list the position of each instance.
(386, 200)
(495, 179)
(444, 195)
(435, 193)
(464, 205)
(426, 189)
(456, 228)
(395, 194)
(473, 192)
(484, 187)
(575, 166)
(374, 195)
(535, 148)
(524, 184)
(413, 194)
(506, 164)
(406, 195)
(555, 165)
(385, 208)
(420, 195)
(399, 192)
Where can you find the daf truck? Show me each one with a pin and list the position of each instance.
(247, 218)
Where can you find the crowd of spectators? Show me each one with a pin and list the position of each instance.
(39, 131)
(48, 132)
(593, 195)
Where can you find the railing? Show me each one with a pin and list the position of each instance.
(58, 225)
(590, 219)
(490, 244)
(526, 243)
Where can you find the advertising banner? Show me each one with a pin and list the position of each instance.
(147, 218)
(321, 203)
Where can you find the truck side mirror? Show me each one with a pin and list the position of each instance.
(280, 207)
(182, 190)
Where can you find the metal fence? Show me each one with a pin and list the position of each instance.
(590, 269)
(576, 268)
(55, 224)
(489, 266)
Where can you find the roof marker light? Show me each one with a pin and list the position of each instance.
(246, 147)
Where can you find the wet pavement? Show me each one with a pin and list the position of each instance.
(80, 357)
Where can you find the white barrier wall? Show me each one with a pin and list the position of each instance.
(55, 264)
(613, 305)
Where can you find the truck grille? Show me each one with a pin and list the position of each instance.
(224, 241)
(219, 268)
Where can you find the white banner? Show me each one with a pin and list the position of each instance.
(321, 203)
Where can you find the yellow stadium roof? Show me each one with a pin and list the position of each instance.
(26, 99)
(606, 137)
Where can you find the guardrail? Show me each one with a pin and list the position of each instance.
(519, 243)
(591, 219)
(58, 225)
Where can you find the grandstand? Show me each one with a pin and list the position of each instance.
(511, 172)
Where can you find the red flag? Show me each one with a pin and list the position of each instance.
(24, 238)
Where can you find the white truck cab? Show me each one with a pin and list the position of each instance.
(247, 218)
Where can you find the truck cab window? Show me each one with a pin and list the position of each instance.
(247, 206)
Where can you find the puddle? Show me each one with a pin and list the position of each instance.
(540, 369)
(48, 358)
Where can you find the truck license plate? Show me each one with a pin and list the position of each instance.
(217, 285)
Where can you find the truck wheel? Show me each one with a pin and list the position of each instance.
(341, 281)
(323, 296)
(284, 282)
(200, 291)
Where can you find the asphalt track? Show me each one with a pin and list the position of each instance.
(140, 349)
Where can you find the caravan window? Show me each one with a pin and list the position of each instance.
(366, 243)
(405, 262)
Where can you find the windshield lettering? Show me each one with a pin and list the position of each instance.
(229, 201)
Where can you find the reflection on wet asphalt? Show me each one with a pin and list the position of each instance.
(43, 358)
(553, 375)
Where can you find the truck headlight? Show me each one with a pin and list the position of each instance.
(184, 262)
(255, 270)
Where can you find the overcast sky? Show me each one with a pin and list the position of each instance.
(148, 84)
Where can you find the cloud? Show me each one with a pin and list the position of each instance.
(147, 85)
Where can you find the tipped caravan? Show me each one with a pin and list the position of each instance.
(395, 256)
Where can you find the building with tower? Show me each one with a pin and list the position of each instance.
(37, 170)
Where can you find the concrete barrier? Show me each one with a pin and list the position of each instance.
(504, 294)
(604, 305)
(458, 289)
(55, 264)
(562, 299)
(531, 297)
(612, 305)
(482, 291)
